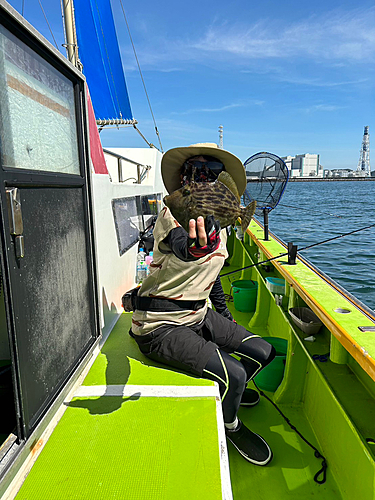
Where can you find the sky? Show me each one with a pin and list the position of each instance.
(287, 77)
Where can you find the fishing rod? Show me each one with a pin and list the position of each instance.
(311, 210)
(292, 250)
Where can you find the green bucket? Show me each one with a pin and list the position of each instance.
(245, 295)
(271, 376)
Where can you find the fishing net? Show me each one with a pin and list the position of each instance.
(267, 176)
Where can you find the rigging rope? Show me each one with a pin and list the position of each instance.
(300, 250)
(45, 17)
(323, 470)
(144, 138)
(140, 72)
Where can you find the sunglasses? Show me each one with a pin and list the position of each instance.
(214, 167)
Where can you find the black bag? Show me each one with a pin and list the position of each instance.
(128, 299)
(147, 237)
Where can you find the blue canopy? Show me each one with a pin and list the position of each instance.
(100, 55)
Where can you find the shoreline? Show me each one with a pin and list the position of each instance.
(330, 179)
(325, 179)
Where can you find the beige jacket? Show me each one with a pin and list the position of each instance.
(173, 278)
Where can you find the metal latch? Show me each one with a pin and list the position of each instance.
(15, 219)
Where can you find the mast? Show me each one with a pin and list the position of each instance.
(70, 33)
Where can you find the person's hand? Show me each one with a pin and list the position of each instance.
(198, 226)
(208, 238)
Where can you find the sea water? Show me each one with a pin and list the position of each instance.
(310, 212)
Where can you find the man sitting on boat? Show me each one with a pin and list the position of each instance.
(172, 322)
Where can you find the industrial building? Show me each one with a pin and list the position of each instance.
(305, 165)
(340, 172)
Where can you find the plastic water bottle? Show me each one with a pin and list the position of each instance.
(141, 272)
(239, 232)
(149, 259)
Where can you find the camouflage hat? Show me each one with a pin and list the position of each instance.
(174, 159)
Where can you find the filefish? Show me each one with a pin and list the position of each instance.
(219, 198)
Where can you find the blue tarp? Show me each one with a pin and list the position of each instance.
(100, 56)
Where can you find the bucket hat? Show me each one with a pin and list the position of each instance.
(173, 160)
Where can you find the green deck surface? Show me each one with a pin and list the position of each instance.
(129, 449)
(151, 448)
(291, 472)
(121, 362)
(134, 447)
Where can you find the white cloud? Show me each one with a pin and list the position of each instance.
(221, 109)
(340, 37)
(323, 107)
(315, 82)
(336, 36)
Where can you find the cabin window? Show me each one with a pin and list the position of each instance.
(150, 206)
(37, 111)
(132, 216)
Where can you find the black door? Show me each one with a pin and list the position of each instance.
(46, 229)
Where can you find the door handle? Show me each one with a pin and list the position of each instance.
(15, 219)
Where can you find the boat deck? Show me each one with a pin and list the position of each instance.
(135, 430)
(131, 432)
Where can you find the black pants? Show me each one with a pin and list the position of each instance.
(233, 375)
(204, 349)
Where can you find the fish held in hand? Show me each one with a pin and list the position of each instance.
(220, 199)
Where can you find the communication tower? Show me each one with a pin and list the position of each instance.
(221, 145)
(364, 156)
